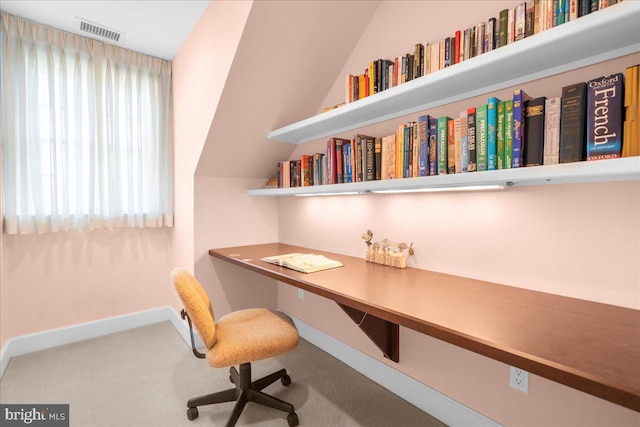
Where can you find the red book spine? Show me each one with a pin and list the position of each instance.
(456, 56)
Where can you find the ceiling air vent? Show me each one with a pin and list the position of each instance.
(98, 30)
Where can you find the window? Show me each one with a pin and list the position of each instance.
(86, 133)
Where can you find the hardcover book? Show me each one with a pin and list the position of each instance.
(492, 134)
(464, 143)
(370, 158)
(433, 145)
(519, 99)
(508, 134)
(471, 138)
(552, 131)
(605, 115)
(443, 145)
(306, 163)
(631, 134)
(414, 149)
(423, 145)
(457, 145)
(481, 137)
(388, 167)
(500, 140)
(503, 27)
(377, 158)
(573, 123)
(451, 146)
(534, 131)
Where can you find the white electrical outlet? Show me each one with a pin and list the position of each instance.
(301, 293)
(519, 379)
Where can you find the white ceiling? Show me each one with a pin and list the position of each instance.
(156, 28)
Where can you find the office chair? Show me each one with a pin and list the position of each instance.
(238, 338)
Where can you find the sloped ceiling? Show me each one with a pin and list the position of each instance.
(290, 55)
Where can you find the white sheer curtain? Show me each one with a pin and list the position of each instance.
(86, 133)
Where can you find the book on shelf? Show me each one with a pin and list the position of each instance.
(520, 97)
(573, 123)
(552, 131)
(534, 131)
(631, 134)
(508, 134)
(457, 149)
(305, 165)
(423, 145)
(471, 138)
(500, 140)
(451, 144)
(415, 147)
(492, 134)
(481, 137)
(464, 142)
(520, 17)
(433, 146)
(358, 158)
(388, 167)
(304, 263)
(377, 158)
(605, 114)
(442, 147)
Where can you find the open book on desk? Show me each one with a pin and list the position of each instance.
(304, 263)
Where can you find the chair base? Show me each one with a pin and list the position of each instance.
(244, 392)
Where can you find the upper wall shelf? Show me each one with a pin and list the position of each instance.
(594, 38)
(622, 169)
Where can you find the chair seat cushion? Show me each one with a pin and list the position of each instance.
(253, 334)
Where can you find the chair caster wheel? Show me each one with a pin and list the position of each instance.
(192, 413)
(292, 419)
(286, 380)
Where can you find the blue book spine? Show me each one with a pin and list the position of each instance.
(605, 106)
(423, 145)
(433, 145)
(347, 160)
(492, 135)
(519, 99)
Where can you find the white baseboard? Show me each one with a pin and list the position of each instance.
(429, 400)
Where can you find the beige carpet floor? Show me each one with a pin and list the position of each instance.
(144, 377)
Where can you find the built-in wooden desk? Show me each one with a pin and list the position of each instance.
(589, 346)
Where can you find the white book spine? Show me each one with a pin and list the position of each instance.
(552, 131)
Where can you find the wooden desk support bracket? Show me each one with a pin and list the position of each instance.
(384, 334)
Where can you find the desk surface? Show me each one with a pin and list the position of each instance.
(589, 346)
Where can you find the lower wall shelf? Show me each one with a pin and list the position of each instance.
(622, 169)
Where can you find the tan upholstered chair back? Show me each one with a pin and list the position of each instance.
(197, 304)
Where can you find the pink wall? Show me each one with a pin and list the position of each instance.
(60, 279)
(471, 235)
(200, 71)
(225, 216)
(544, 238)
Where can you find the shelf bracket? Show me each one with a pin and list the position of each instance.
(384, 334)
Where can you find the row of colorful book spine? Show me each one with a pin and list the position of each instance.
(592, 120)
(510, 26)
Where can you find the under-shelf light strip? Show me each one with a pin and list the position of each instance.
(443, 189)
(415, 190)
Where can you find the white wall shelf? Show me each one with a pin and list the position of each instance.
(622, 169)
(594, 38)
